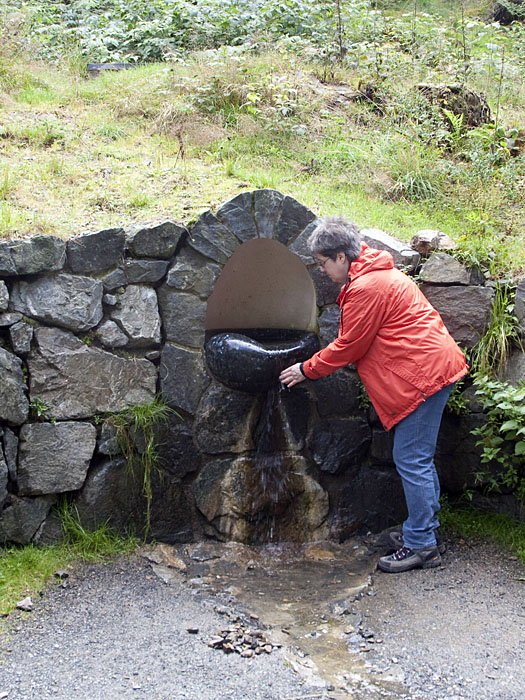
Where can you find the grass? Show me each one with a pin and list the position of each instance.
(27, 570)
(176, 138)
(466, 521)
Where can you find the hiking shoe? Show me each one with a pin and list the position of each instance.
(405, 559)
(395, 541)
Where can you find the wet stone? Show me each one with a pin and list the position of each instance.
(178, 454)
(96, 251)
(337, 394)
(340, 444)
(225, 420)
(329, 324)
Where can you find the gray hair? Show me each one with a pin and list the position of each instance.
(334, 234)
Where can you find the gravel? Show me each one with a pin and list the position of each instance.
(117, 631)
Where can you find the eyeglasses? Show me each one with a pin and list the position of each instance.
(322, 263)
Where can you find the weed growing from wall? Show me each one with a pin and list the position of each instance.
(136, 434)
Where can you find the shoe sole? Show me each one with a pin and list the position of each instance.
(429, 564)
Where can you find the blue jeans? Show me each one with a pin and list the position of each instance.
(415, 440)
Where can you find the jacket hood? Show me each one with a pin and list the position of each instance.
(370, 260)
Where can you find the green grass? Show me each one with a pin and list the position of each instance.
(28, 570)
(466, 521)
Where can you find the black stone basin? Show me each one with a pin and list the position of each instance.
(252, 359)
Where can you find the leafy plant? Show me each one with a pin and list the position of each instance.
(503, 435)
(457, 404)
(136, 434)
(38, 408)
(490, 354)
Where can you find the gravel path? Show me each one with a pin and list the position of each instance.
(455, 632)
(117, 631)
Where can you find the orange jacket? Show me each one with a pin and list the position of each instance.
(392, 334)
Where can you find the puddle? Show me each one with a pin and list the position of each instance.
(305, 598)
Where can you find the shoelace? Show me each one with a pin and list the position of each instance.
(402, 553)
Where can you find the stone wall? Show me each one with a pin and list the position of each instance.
(109, 319)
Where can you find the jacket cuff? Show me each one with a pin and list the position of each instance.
(302, 370)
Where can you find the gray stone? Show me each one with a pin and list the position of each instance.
(337, 394)
(238, 217)
(294, 218)
(225, 420)
(429, 240)
(183, 317)
(32, 255)
(404, 257)
(145, 271)
(11, 452)
(7, 320)
(211, 238)
(4, 474)
(441, 268)
(245, 503)
(114, 279)
(514, 372)
(110, 299)
(137, 313)
(372, 500)
(326, 291)
(267, 207)
(329, 324)
(54, 458)
(457, 457)
(78, 381)
(155, 240)
(96, 251)
(108, 443)
(183, 378)
(69, 301)
(4, 296)
(178, 454)
(339, 445)
(14, 406)
(113, 494)
(21, 335)
(381, 447)
(50, 531)
(519, 304)
(300, 245)
(22, 518)
(466, 311)
(152, 355)
(191, 272)
(111, 336)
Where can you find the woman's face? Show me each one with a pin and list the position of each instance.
(336, 270)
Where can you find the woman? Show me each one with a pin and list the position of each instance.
(408, 363)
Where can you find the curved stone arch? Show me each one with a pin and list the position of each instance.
(211, 241)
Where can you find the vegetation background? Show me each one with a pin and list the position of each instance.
(230, 95)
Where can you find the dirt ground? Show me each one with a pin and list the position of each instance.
(329, 627)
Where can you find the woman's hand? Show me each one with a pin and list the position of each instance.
(292, 375)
